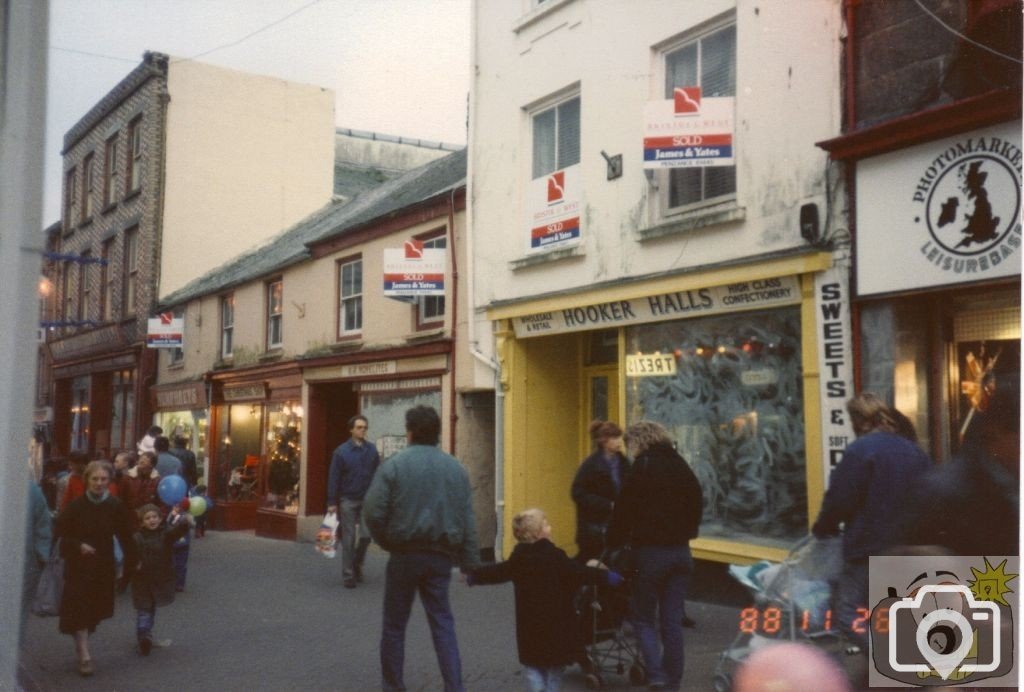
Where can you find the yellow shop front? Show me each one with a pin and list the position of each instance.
(731, 360)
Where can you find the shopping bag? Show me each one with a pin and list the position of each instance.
(51, 585)
(326, 540)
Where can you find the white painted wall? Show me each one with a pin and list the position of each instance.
(247, 156)
(788, 89)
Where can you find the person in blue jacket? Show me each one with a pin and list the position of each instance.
(865, 501)
(353, 465)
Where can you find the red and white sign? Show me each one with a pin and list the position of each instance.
(165, 331)
(553, 209)
(689, 131)
(414, 270)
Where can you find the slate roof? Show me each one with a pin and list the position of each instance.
(332, 220)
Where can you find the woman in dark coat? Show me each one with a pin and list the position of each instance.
(596, 487)
(87, 528)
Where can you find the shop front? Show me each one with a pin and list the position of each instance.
(255, 450)
(182, 410)
(728, 360)
(938, 258)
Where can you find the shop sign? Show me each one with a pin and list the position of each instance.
(384, 367)
(245, 392)
(835, 361)
(688, 131)
(553, 209)
(180, 397)
(101, 339)
(945, 212)
(650, 364)
(164, 331)
(677, 305)
(414, 270)
(759, 378)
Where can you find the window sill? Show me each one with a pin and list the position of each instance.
(425, 334)
(350, 343)
(546, 257)
(536, 13)
(180, 365)
(270, 356)
(132, 194)
(224, 363)
(694, 220)
(108, 208)
(85, 222)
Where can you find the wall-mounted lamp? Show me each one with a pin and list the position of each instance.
(614, 165)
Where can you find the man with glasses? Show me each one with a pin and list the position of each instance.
(352, 467)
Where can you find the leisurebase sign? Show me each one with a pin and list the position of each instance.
(689, 131)
(414, 270)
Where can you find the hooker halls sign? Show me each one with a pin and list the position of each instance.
(945, 212)
(165, 331)
(414, 270)
(664, 306)
(687, 130)
(553, 209)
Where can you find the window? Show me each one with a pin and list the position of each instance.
(70, 194)
(227, 325)
(178, 354)
(709, 62)
(68, 296)
(122, 417)
(107, 282)
(431, 308)
(84, 293)
(87, 186)
(134, 155)
(556, 137)
(110, 172)
(275, 307)
(350, 308)
(131, 270)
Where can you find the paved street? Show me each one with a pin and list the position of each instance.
(261, 614)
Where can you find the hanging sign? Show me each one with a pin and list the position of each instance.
(553, 209)
(165, 331)
(414, 270)
(689, 131)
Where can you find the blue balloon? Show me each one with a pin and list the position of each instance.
(171, 489)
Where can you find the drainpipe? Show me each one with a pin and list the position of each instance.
(453, 417)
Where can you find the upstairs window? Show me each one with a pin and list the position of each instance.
(350, 297)
(67, 294)
(227, 325)
(84, 294)
(110, 176)
(131, 270)
(70, 197)
(88, 175)
(707, 61)
(107, 282)
(430, 309)
(275, 314)
(178, 354)
(135, 155)
(556, 137)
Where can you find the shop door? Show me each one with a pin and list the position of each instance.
(600, 399)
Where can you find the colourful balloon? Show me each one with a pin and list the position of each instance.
(197, 506)
(171, 489)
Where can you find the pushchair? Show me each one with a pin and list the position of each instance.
(792, 602)
(609, 643)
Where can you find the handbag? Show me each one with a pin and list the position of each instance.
(326, 538)
(51, 585)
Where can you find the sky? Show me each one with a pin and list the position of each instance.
(398, 67)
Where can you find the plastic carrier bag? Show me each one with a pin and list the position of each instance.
(326, 539)
(51, 585)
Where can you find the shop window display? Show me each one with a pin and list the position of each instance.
(734, 406)
(192, 426)
(284, 430)
(385, 411)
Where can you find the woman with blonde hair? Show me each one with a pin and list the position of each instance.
(86, 529)
(596, 487)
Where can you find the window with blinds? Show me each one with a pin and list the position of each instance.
(556, 137)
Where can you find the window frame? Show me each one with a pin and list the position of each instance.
(436, 239)
(133, 175)
(107, 281)
(548, 106)
(84, 292)
(88, 185)
(110, 171)
(353, 299)
(131, 270)
(67, 299)
(70, 195)
(177, 354)
(227, 326)
(274, 318)
(663, 177)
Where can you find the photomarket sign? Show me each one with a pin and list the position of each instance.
(945, 212)
(689, 131)
(553, 209)
(663, 306)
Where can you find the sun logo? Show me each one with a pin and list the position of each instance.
(992, 583)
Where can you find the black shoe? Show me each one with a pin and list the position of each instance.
(145, 645)
(688, 623)
(350, 583)
(357, 572)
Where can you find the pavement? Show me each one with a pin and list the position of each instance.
(261, 614)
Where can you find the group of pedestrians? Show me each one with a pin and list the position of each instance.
(112, 530)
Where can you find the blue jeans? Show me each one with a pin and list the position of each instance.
(179, 555)
(657, 610)
(852, 594)
(144, 620)
(428, 574)
(352, 554)
(543, 679)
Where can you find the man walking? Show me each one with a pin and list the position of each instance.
(187, 458)
(419, 508)
(352, 467)
(166, 463)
